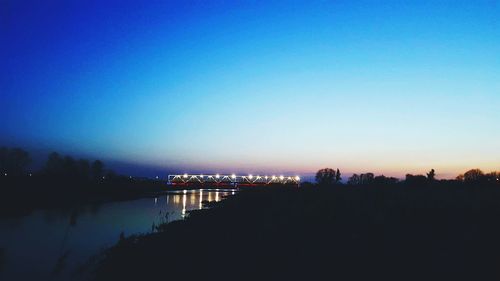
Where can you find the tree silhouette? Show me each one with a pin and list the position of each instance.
(369, 178)
(493, 177)
(366, 178)
(416, 179)
(431, 175)
(473, 175)
(84, 169)
(54, 165)
(383, 180)
(326, 176)
(69, 167)
(14, 161)
(97, 170)
(3, 159)
(337, 176)
(353, 180)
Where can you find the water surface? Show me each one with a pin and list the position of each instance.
(53, 245)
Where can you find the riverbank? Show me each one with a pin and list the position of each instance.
(340, 232)
(56, 244)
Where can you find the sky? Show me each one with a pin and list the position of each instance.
(390, 87)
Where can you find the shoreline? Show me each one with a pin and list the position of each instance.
(39, 194)
(9, 209)
(285, 233)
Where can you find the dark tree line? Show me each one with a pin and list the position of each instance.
(476, 175)
(68, 167)
(330, 176)
(370, 178)
(356, 179)
(14, 161)
(63, 181)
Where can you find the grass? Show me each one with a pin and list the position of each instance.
(353, 233)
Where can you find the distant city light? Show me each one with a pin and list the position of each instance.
(5, 174)
(156, 177)
(282, 177)
(297, 178)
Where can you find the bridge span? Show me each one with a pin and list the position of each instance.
(231, 180)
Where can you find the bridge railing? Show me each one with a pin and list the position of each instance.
(233, 179)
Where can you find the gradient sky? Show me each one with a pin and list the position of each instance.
(255, 86)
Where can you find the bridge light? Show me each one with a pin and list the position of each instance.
(297, 178)
(233, 176)
(282, 177)
(274, 177)
(201, 175)
(185, 176)
(217, 176)
(250, 176)
(265, 177)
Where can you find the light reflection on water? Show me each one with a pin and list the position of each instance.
(184, 205)
(34, 243)
(201, 199)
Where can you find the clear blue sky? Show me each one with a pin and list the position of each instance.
(255, 86)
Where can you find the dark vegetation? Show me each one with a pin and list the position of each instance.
(62, 182)
(373, 228)
(328, 176)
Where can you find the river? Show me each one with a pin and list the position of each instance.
(55, 244)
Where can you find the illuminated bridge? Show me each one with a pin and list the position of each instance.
(232, 180)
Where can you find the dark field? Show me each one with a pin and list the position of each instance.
(344, 233)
